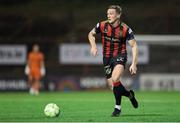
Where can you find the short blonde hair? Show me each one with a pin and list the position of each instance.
(117, 8)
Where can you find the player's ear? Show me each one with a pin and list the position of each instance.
(119, 15)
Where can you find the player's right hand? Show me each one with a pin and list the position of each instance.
(94, 51)
(27, 70)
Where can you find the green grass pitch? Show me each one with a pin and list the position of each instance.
(89, 106)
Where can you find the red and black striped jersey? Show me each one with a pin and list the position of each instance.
(114, 38)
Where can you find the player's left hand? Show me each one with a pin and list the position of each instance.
(27, 70)
(43, 71)
(133, 69)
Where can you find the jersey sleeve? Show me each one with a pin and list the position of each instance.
(129, 34)
(41, 57)
(97, 28)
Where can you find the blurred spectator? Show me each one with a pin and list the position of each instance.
(35, 69)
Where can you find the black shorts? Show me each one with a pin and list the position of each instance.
(111, 62)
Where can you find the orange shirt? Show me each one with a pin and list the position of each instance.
(35, 59)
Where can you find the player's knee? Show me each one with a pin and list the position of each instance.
(115, 79)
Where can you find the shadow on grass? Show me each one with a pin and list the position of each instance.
(131, 115)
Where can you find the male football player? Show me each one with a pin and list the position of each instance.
(114, 36)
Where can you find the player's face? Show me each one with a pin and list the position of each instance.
(35, 48)
(112, 15)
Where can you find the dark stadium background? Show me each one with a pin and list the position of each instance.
(74, 79)
(51, 23)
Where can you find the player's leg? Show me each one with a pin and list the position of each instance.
(119, 90)
(116, 74)
(31, 82)
(30, 79)
(109, 68)
(119, 64)
(37, 84)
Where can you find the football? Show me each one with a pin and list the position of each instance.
(52, 110)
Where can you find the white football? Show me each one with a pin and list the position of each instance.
(51, 110)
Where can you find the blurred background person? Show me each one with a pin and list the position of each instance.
(35, 69)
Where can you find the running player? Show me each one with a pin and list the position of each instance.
(35, 69)
(114, 35)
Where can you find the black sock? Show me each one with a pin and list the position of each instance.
(117, 93)
(124, 91)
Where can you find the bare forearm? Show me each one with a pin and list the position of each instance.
(92, 42)
(92, 39)
(135, 54)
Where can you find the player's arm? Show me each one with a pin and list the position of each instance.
(92, 41)
(27, 69)
(132, 42)
(133, 67)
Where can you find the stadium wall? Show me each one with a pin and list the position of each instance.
(71, 67)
